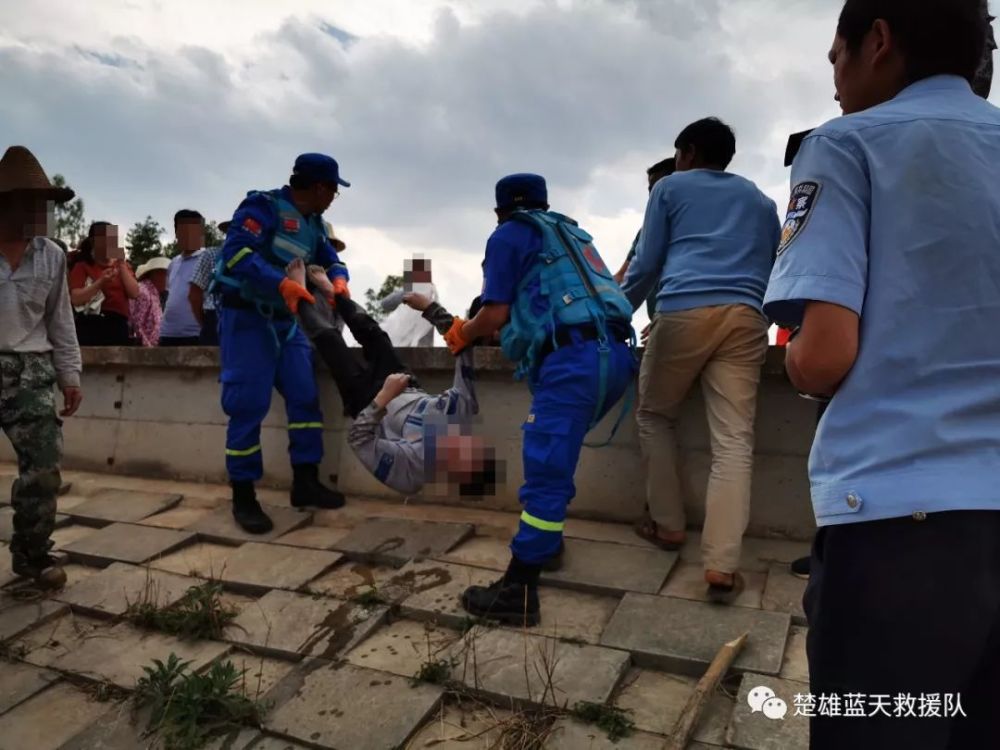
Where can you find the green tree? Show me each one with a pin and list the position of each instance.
(372, 298)
(213, 235)
(143, 242)
(70, 224)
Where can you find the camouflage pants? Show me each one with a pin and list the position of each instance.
(28, 416)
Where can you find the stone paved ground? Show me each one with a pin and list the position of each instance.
(338, 610)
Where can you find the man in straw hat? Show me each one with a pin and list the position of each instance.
(38, 349)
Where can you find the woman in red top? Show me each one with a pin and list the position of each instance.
(100, 268)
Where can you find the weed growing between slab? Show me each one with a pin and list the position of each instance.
(200, 613)
(369, 597)
(612, 720)
(188, 709)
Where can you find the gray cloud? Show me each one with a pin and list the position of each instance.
(588, 95)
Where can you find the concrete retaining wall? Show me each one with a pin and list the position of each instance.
(156, 413)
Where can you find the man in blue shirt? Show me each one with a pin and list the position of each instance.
(179, 326)
(261, 346)
(576, 372)
(707, 245)
(889, 262)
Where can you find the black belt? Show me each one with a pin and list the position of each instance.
(565, 336)
(238, 303)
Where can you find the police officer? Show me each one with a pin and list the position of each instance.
(260, 344)
(889, 263)
(576, 357)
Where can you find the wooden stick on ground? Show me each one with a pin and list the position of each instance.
(703, 692)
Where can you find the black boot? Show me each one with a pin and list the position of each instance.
(308, 492)
(247, 511)
(513, 599)
(46, 571)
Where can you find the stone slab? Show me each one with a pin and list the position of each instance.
(6, 573)
(19, 681)
(613, 569)
(796, 664)
(220, 527)
(31, 724)
(344, 707)
(396, 541)
(602, 531)
(403, 646)
(783, 593)
(684, 636)
(112, 590)
(69, 534)
(481, 552)
(48, 642)
(687, 581)
(349, 580)
(124, 506)
(261, 673)
(435, 588)
(259, 567)
(502, 665)
(654, 700)
(118, 729)
(465, 725)
(125, 542)
(179, 517)
(66, 502)
(569, 734)
(17, 617)
(314, 537)
(118, 655)
(752, 730)
(201, 559)
(293, 625)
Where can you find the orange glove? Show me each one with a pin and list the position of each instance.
(456, 343)
(340, 287)
(292, 292)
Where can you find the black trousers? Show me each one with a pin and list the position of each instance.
(909, 607)
(179, 341)
(358, 381)
(106, 329)
(209, 328)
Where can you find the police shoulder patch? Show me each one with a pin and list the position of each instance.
(252, 226)
(800, 207)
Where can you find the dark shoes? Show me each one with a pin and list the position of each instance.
(46, 572)
(506, 601)
(308, 492)
(247, 511)
(723, 588)
(512, 600)
(800, 568)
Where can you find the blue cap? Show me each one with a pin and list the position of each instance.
(517, 190)
(319, 168)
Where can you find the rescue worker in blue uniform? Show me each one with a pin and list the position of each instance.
(261, 346)
(566, 322)
(890, 265)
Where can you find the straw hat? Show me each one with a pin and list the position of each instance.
(338, 244)
(21, 172)
(158, 263)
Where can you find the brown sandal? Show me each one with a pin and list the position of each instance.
(719, 594)
(646, 529)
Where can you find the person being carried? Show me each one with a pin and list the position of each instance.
(403, 435)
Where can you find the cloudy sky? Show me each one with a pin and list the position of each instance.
(147, 106)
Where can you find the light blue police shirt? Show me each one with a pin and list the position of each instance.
(895, 214)
(709, 238)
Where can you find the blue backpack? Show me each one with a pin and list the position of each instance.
(579, 289)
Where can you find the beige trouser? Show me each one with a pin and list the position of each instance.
(726, 346)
